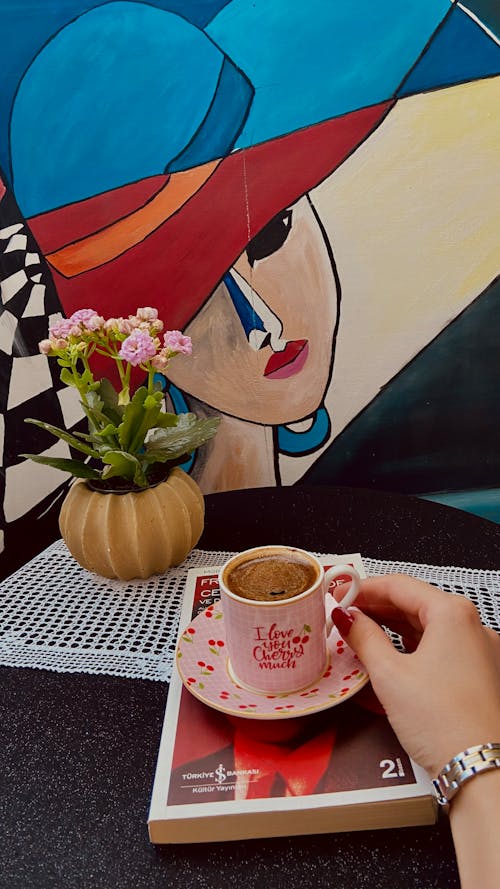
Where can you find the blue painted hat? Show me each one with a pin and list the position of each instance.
(128, 90)
(147, 152)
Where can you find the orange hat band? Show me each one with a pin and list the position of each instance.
(105, 245)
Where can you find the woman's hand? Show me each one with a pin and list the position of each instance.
(443, 695)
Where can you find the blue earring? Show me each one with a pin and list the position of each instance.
(297, 444)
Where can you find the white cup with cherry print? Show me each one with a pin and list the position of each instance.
(280, 646)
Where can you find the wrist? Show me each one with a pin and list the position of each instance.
(475, 826)
(481, 794)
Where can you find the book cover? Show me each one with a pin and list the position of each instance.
(222, 777)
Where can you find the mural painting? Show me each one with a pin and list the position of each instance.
(310, 191)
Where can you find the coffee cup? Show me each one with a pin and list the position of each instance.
(276, 625)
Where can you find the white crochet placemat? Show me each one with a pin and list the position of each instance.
(54, 615)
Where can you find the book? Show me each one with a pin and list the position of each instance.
(223, 777)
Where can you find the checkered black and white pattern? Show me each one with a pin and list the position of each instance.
(29, 382)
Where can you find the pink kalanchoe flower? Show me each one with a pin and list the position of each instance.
(95, 323)
(134, 322)
(125, 325)
(177, 342)
(45, 347)
(152, 327)
(161, 361)
(137, 348)
(64, 328)
(88, 318)
(82, 315)
(147, 314)
(118, 325)
(59, 344)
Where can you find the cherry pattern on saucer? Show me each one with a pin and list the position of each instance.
(202, 663)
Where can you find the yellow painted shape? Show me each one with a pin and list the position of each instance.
(414, 221)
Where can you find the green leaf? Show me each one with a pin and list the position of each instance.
(137, 421)
(67, 378)
(93, 411)
(140, 476)
(98, 420)
(131, 419)
(109, 398)
(124, 465)
(95, 401)
(75, 467)
(149, 458)
(65, 436)
(189, 434)
(109, 430)
(165, 420)
(164, 456)
(150, 402)
(86, 378)
(120, 463)
(124, 396)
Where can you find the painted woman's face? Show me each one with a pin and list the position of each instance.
(263, 342)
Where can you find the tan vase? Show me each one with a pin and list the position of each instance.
(135, 534)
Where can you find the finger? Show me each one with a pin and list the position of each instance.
(401, 597)
(399, 625)
(410, 643)
(374, 599)
(494, 644)
(493, 636)
(365, 637)
(377, 604)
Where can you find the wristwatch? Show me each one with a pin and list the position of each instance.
(464, 766)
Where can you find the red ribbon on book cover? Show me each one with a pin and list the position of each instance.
(301, 769)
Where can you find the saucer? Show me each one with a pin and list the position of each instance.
(202, 661)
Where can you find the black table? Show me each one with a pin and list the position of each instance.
(78, 752)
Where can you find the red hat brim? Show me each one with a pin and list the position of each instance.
(176, 265)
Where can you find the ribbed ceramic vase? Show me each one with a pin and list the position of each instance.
(136, 534)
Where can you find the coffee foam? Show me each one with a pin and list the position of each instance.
(271, 577)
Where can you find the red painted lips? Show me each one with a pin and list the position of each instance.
(288, 362)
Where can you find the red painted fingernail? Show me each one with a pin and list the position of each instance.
(343, 620)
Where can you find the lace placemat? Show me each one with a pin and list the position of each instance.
(55, 615)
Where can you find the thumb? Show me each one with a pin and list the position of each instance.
(365, 637)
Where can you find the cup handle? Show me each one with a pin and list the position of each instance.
(351, 594)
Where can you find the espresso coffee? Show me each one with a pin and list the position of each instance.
(270, 578)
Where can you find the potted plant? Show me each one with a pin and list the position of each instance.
(132, 511)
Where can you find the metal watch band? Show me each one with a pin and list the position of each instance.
(464, 766)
